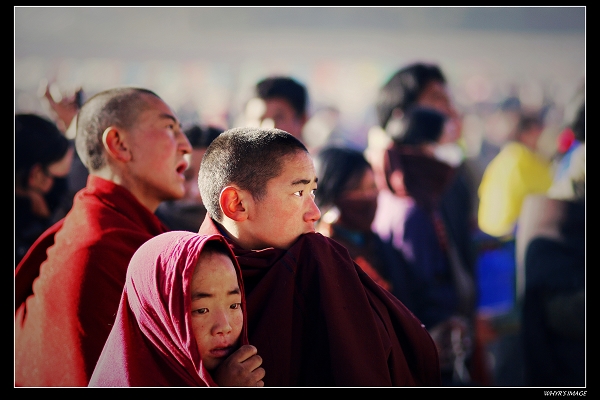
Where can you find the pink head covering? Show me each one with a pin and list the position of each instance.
(151, 342)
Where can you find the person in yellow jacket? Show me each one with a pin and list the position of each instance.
(515, 172)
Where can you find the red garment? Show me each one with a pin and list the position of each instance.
(318, 320)
(65, 303)
(151, 342)
(565, 140)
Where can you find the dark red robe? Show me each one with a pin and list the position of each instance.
(318, 320)
(68, 286)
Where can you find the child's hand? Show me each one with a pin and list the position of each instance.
(241, 368)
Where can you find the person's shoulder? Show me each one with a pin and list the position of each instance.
(318, 246)
(510, 155)
(317, 239)
(511, 148)
(519, 149)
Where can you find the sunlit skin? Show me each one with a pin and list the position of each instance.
(280, 114)
(155, 155)
(287, 211)
(216, 308)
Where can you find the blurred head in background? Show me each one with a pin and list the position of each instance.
(280, 102)
(42, 154)
(200, 137)
(419, 84)
(43, 158)
(347, 193)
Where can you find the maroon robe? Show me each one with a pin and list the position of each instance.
(318, 320)
(152, 342)
(68, 286)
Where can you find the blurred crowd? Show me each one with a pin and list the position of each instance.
(473, 218)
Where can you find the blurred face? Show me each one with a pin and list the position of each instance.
(42, 179)
(366, 187)
(358, 204)
(217, 316)
(192, 193)
(288, 208)
(280, 114)
(436, 96)
(158, 145)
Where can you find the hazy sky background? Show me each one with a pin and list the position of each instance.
(233, 33)
(204, 60)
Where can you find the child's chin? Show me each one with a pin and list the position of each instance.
(212, 364)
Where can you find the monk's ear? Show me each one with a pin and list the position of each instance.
(233, 201)
(115, 144)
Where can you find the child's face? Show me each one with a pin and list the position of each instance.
(288, 209)
(217, 316)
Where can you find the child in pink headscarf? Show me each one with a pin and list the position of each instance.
(182, 318)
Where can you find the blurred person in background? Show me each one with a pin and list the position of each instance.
(425, 84)
(551, 253)
(68, 286)
(279, 102)
(442, 288)
(569, 167)
(516, 171)
(42, 155)
(347, 198)
(63, 107)
(187, 213)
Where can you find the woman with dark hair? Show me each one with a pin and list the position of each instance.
(43, 159)
(410, 217)
(347, 198)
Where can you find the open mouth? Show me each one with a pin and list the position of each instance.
(182, 167)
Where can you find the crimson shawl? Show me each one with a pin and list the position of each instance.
(152, 342)
(318, 320)
(68, 286)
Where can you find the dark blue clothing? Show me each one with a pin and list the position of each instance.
(440, 282)
(432, 287)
